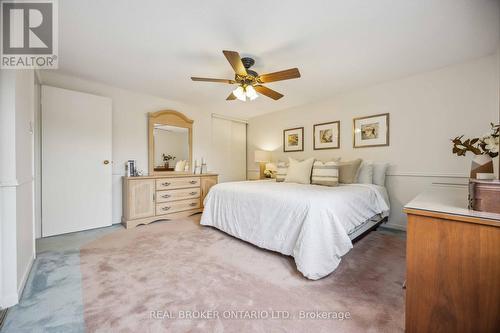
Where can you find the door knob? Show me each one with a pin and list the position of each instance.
(106, 162)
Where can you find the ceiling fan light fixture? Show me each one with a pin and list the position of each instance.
(251, 93)
(248, 79)
(240, 93)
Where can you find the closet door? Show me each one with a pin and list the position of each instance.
(76, 161)
(229, 141)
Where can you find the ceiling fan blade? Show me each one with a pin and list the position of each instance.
(268, 92)
(287, 74)
(204, 79)
(231, 97)
(235, 61)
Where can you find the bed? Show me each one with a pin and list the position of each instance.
(314, 224)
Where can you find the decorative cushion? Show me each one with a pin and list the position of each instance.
(365, 173)
(281, 171)
(379, 171)
(326, 174)
(348, 171)
(299, 171)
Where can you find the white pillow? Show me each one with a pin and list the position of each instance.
(299, 172)
(282, 169)
(180, 165)
(365, 173)
(379, 171)
(326, 174)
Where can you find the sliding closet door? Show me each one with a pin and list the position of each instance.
(76, 161)
(229, 141)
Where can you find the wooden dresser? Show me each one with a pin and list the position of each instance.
(453, 264)
(151, 198)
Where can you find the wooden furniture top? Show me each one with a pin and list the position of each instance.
(173, 174)
(451, 203)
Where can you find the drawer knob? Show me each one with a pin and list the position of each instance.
(165, 184)
(165, 208)
(193, 193)
(193, 182)
(166, 196)
(192, 204)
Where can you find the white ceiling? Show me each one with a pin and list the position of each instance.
(155, 46)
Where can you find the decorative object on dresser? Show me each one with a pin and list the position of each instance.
(162, 197)
(371, 131)
(293, 139)
(262, 157)
(484, 195)
(130, 169)
(484, 148)
(167, 159)
(326, 135)
(204, 167)
(453, 264)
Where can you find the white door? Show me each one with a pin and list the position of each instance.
(76, 161)
(229, 142)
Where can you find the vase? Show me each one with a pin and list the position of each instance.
(481, 164)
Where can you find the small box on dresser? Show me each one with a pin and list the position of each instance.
(151, 198)
(485, 195)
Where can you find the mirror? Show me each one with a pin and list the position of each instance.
(171, 145)
(170, 138)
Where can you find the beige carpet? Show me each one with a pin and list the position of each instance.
(138, 280)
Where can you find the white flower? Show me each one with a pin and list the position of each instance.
(492, 143)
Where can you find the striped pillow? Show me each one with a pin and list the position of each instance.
(281, 172)
(326, 174)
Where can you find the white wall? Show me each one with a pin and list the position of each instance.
(16, 182)
(130, 139)
(426, 111)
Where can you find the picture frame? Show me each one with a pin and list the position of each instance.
(326, 135)
(371, 131)
(293, 139)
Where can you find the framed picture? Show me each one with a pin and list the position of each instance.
(371, 131)
(326, 135)
(293, 139)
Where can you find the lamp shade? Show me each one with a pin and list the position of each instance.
(262, 156)
(271, 167)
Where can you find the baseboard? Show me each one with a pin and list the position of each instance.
(390, 225)
(24, 279)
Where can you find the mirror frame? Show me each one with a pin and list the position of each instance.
(172, 118)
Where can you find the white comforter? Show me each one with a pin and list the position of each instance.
(309, 222)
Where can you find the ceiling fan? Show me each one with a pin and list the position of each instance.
(249, 81)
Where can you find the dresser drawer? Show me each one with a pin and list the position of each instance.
(173, 183)
(180, 194)
(177, 206)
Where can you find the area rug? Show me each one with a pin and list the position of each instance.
(179, 276)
